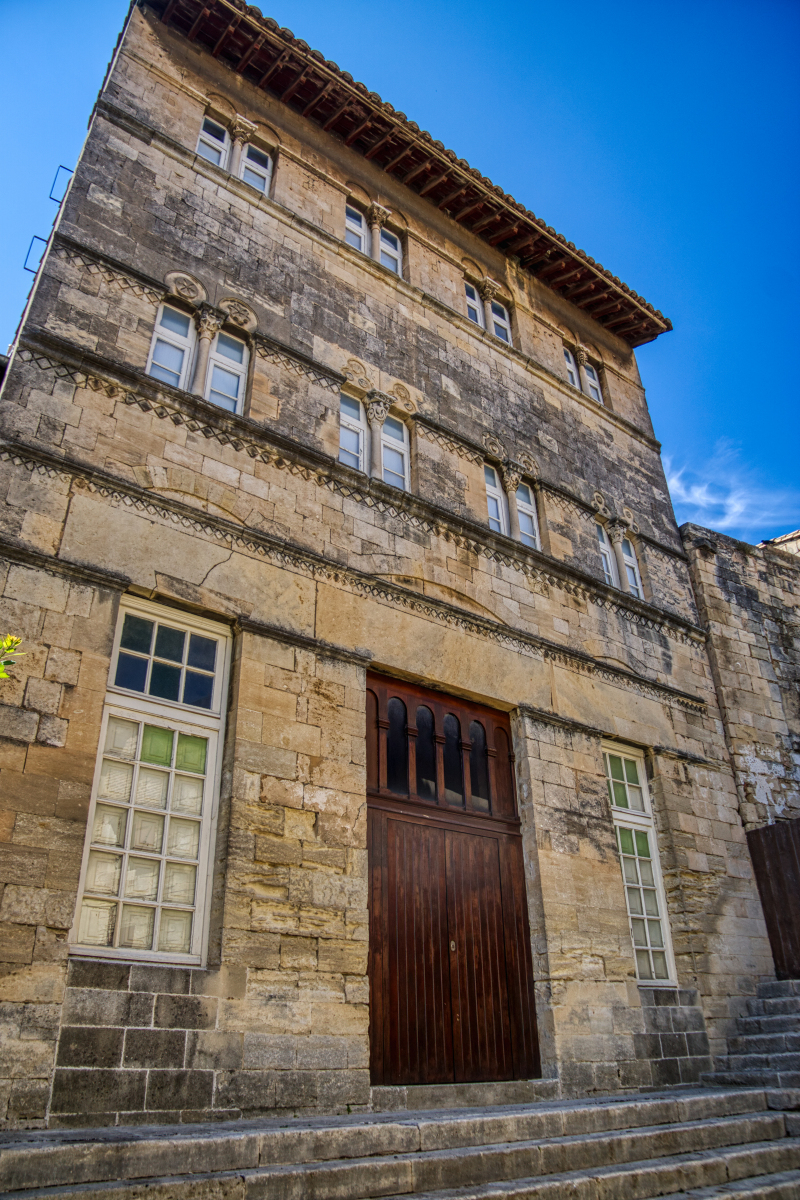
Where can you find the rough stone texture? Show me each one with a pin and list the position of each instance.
(251, 520)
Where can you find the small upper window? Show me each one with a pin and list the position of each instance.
(632, 569)
(474, 305)
(501, 322)
(227, 372)
(394, 453)
(593, 383)
(528, 523)
(572, 368)
(391, 252)
(356, 233)
(607, 556)
(256, 168)
(495, 500)
(171, 350)
(159, 659)
(352, 433)
(213, 143)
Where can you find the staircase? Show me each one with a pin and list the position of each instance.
(766, 1052)
(698, 1142)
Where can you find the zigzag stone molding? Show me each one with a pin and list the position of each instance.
(270, 550)
(404, 506)
(279, 358)
(448, 443)
(109, 274)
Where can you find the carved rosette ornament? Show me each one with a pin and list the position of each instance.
(183, 285)
(239, 313)
(599, 505)
(630, 520)
(529, 464)
(494, 446)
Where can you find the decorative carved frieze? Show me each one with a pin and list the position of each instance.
(111, 275)
(186, 286)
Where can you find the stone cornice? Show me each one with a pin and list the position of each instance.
(258, 442)
(289, 638)
(189, 159)
(14, 550)
(116, 491)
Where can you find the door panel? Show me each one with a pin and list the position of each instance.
(481, 1035)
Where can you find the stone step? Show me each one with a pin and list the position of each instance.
(781, 1006)
(787, 1099)
(765, 1043)
(758, 1062)
(779, 987)
(788, 1023)
(752, 1079)
(421, 1169)
(421, 1097)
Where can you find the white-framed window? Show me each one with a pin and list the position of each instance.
(145, 877)
(356, 230)
(394, 453)
(256, 168)
(572, 369)
(607, 557)
(641, 868)
(474, 305)
(391, 252)
(213, 143)
(170, 356)
(593, 383)
(227, 372)
(353, 433)
(501, 321)
(495, 500)
(528, 520)
(632, 569)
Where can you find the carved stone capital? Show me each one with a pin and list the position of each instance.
(377, 215)
(488, 288)
(512, 474)
(241, 129)
(208, 321)
(580, 355)
(616, 531)
(377, 412)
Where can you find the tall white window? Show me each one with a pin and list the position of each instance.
(391, 252)
(495, 500)
(227, 372)
(356, 231)
(394, 453)
(528, 521)
(593, 383)
(213, 143)
(607, 557)
(474, 305)
(352, 433)
(572, 368)
(641, 869)
(256, 168)
(170, 355)
(145, 878)
(632, 569)
(501, 322)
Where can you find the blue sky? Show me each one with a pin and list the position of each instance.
(661, 138)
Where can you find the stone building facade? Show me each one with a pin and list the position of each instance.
(305, 414)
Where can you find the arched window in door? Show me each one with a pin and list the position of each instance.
(397, 748)
(453, 762)
(479, 767)
(426, 754)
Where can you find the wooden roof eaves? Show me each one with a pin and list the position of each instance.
(354, 95)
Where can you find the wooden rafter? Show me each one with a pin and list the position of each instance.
(195, 29)
(340, 111)
(383, 138)
(359, 129)
(299, 78)
(223, 37)
(451, 196)
(250, 53)
(398, 158)
(275, 66)
(432, 184)
(411, 175)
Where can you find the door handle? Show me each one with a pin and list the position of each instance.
(452, 945)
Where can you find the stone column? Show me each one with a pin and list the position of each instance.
(208, 323)
(580, 359)
(616, 532)
(377, 216)
(488, 289)
(377, 412)
(241, 131)
(512, 474)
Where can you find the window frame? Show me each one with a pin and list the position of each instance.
(607, 556)
(501, 320)
(528, 508)
(187, 345)
(360, 427)
(216, 359)
(256, 169)
(496, 491)
(644, 821)
(474, 302)
(225, 149)
(391, 443)
(395, 254)
(573, 374)
(593, 383)
(632, 565)
(209, 723)
(351, 227)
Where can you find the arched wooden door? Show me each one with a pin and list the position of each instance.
(451, 979)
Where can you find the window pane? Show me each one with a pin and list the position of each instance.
(176, 321)
(635, 902)
(115, 781)
(646, 871)
(137, 634)
(351, 407)
(230, 347)
(650, 902)
(198, 689)
(501, 332)
(499, 311)
(103, 872)
(523, 494)
(141, 881)
(470, 290)
(170, 643)
(397, 748)
(453, 763)
(527, 529)
(642, 844)
(165, 681)
(224, 382)
(157, 745)
(354, 215)
(601, 535)
(175, 933)
(390, 240)
(109, 825)
(643, 964)
(258, 157)
(192, 752)
(349, 447)
(179, 881)
(394, 429)
(629, 870)
(479, 767)
(626, 840)
(167, 363)
(215, 130)
(152, 788)
(656, 936)
(426, 754)
(187, 795)
(620, 797)
(122, 737)
(210, 153)
(353, 239)
(97, 922)
(473, 314)
(136, 927)
(255, 180)
(147, 832)
(184, 838)
(388, 261)
(660, 965)
(490, 477)
(202, 652)
(131, 673)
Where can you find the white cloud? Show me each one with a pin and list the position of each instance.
(726, 495)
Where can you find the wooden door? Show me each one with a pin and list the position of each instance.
(775, 851)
